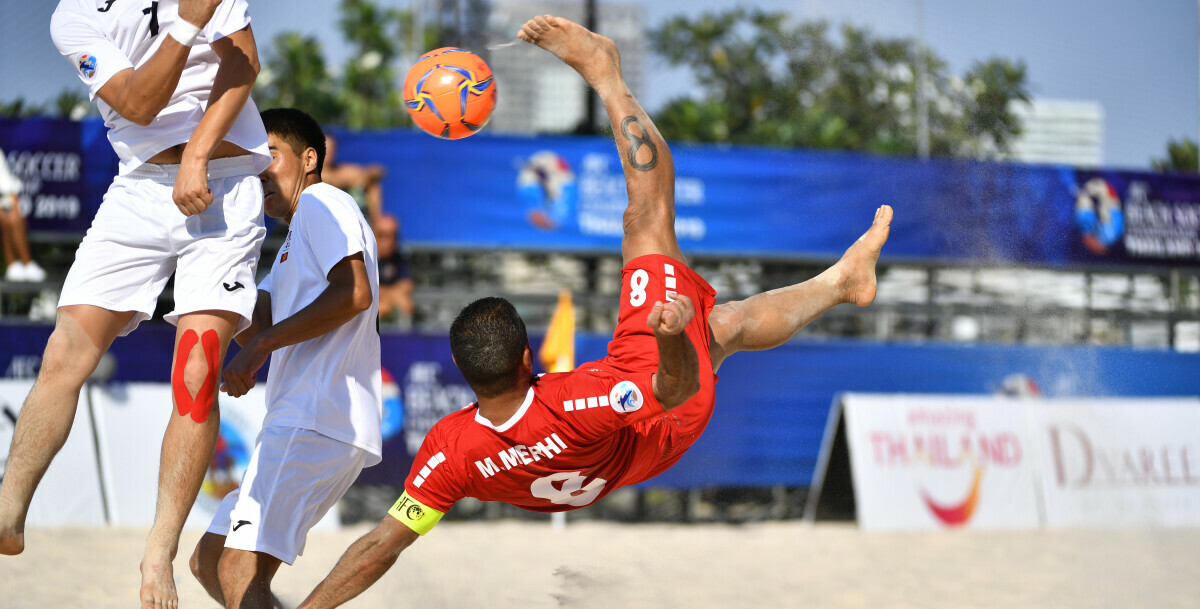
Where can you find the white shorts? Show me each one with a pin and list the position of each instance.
(139, 238)
(294, 477)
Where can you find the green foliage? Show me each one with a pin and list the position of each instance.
(72, 103)
(767, 80)
(19, 108)
(294, 74)
(369, 86)
(1182, 157)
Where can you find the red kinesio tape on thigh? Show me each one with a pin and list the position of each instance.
(199, 406)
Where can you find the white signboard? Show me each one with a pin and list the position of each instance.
(935, 461)
(131, 421)
(1120, 463)
(69, 494)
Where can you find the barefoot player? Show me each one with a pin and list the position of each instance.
(558, 442)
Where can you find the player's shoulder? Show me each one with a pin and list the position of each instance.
(72, 13)
(78, 6)
(325, 192)
(454, 425)
(324, 200)
(582, 386)
(332, 199)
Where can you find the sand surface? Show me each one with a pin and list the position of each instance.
(603, 564)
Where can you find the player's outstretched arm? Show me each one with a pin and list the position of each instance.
(347, 295)
(364, 562)
(140, 94)
(678, 374)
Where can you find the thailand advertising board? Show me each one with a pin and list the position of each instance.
(925, 461)
(932, 462)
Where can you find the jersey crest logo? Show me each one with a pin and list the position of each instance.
(287, 244)
(87, 65)
(625, 397)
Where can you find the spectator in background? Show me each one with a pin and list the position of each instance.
(395, 281)
(18, 262)
(364, 183)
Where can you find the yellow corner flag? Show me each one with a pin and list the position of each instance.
(558, 349)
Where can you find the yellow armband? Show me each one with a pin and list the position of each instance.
(414, 514)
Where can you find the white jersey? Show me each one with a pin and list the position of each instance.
(331, 384)
(103, 37)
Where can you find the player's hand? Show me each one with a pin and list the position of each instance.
(671, 318)
(198, 12)
(240, 374)
(191, 194)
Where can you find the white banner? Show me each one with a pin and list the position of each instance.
(1119, 463)
(935, 461)
(131, 419)
(69, 494)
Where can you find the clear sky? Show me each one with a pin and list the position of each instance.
(1139, 59)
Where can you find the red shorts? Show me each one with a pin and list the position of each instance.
(645, 280)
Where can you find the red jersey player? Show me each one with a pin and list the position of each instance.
(561, 441)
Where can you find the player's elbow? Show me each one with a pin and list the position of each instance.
(141, 109)
(252, 67)
(678, 392)
(361, 299)
(388, 543)
(139, 115)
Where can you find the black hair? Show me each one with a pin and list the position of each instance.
(298, 129)
(488, 341)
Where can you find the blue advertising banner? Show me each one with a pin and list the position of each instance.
(568, 194)
(47, 156)
(771, 405)
(1137, 218)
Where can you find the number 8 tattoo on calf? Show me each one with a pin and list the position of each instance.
(636, 142)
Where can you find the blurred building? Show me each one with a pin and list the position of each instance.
(1060, 131)
(538, 93)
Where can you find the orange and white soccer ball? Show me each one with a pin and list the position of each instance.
(450, 93)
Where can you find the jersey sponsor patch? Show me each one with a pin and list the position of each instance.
(87, 65)
(625, 397)
(414, 514)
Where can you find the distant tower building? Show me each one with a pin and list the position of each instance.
(538, 93)
(1060, 131)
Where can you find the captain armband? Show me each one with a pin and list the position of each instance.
(414, 514)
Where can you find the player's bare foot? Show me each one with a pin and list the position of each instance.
(12, 529)
(855, 272)
(158, 585)
(12, 542)
(594, 56)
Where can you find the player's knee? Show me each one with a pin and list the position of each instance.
(235, 570)
(649, 219)
(194, 379)
(66, 361)
(196, 372)
(203, 562)
(202, 570)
